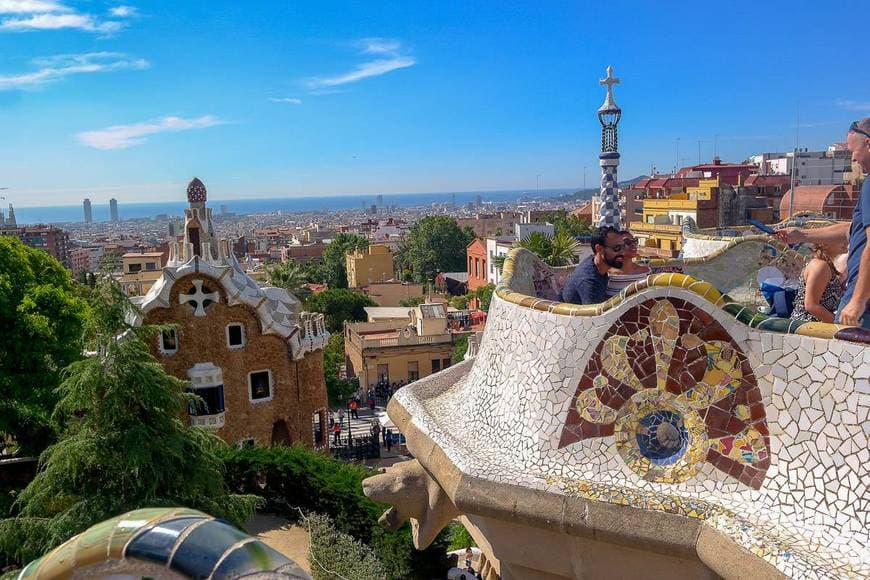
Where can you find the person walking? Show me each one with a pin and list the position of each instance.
(336, 433)
(354, 414)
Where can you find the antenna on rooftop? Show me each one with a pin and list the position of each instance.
(797, 133)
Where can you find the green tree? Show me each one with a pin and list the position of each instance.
(412, 302)
(459, 302)
(42, 318)
(338, 305)
(435, 243)
(334, 257)
(557, 250)
(291, 276)
(339, 390)
(124, 444)
(335, 555)
(484, 296)
(460, 347)
(572, 226)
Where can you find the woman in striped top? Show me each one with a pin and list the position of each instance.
(620, 278)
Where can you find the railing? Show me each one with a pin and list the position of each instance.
(209, 421)
(403, 340)
(356, 448)
(645, 227)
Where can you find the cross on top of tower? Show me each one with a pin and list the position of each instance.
(609, 81)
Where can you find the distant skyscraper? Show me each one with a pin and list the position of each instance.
(10, 221)
(380, 201)
(171, 229)
(89, 217)
(2, 218)
(608, 115)
(113, 209)
(478, 200)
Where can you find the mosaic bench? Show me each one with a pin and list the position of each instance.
(172, 543)
(669, 432)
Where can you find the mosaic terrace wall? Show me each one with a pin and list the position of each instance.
(670, 397)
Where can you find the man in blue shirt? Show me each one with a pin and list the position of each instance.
(853, 309)
(588, 282)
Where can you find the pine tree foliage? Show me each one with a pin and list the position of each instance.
(124, 446)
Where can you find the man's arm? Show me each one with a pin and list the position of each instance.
(825, 235)
(854, 310)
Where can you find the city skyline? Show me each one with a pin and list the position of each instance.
(130, 101)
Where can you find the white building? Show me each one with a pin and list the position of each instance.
(496, 247)
(522, 231)
(813, 167)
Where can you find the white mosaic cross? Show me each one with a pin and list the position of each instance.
(199, 297)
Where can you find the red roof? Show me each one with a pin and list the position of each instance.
(761, 180)
(838, 200)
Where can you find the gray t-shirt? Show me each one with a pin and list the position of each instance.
(857, 240)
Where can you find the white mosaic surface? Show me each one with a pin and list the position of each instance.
(698, 248)
(500, 417)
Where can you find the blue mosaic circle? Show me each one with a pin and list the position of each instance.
(662, 437)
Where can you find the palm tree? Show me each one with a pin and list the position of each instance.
(562, 248)
(290, 276)
(555, 250)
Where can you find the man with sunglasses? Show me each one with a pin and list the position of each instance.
(853, 309)
(588, 283)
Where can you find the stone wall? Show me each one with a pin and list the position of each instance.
(298, 388)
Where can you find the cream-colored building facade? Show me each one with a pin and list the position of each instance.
(398, 350)
(139, 272)
(374, 264)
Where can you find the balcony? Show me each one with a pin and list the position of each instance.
(215, 421)
(645, 227)
(385, 335)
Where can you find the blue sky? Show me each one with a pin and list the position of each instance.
(268, 99)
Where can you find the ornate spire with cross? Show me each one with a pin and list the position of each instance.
(609, 115)
(609, 81)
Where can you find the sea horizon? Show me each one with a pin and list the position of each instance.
(74, 213)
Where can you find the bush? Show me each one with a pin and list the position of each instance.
(294, 477)
(460, 347)
(335, 555)
(460, 538)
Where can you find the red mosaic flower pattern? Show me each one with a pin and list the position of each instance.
(657, 355)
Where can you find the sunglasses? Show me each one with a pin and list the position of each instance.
(628, 243)
(854, 128)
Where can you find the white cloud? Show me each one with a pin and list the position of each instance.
(122, 11)
(30, 6)
(380, 46)
(393, 59)
(288, 100)
(123, 136)
(84, 22)
(858, 106)
(57, 67)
